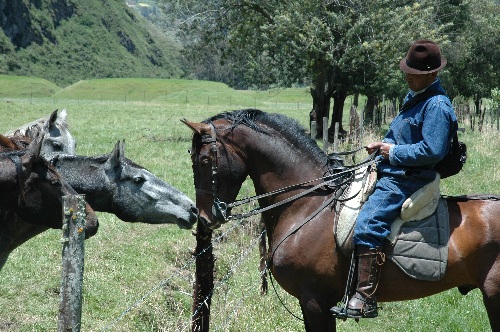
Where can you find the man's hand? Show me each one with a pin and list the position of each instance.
(383, 148)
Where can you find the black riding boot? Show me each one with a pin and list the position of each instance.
(363, 303)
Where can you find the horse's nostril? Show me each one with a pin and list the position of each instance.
(195, 210)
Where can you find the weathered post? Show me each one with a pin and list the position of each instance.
(325, 134)
(336, 138)
(70, 308)
(314, 129)
(204, 280)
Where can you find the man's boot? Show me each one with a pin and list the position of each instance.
(363, 303)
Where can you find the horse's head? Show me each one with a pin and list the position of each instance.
(39, 189)
(215, 159)
(140, 196)
(58, 138)
(115, 184)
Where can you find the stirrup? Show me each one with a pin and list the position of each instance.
(343, 312)
(340, 311)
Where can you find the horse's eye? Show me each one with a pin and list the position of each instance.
(138, 179)
(57, 145)
(54, 181)
(204, 161)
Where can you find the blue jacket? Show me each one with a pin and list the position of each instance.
(421, 136)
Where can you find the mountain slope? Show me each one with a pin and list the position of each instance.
(65, 41)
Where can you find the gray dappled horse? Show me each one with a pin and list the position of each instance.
(115, 184)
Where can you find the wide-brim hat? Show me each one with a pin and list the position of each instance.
(423, 57)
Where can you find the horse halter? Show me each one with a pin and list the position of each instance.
(20, 177)
(219, 208)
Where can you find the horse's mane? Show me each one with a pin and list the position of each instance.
(287, 127)
(33, 128)
(100, 159)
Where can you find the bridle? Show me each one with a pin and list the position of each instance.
(221, 210)
(16, 159)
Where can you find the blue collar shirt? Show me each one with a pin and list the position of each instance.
(421, 135)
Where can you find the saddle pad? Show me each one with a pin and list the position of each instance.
(349, 210)
(421, 248)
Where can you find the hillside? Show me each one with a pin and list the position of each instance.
(65, 41)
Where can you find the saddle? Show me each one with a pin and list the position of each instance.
(418, 242)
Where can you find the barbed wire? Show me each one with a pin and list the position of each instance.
(226, 277)
(218, 239)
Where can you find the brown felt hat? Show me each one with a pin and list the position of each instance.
(424, 56)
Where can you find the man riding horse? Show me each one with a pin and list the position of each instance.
(418, 138)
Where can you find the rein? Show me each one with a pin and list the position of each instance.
(14, 157)
(220, 208)
(223, 207)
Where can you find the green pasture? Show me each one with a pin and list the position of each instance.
(139, 277)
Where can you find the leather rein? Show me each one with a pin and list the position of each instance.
(220, 209)
(16, 159)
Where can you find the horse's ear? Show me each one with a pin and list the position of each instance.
(114, 157)
(52, 119)
(197, 127)
(122, 148)
(33, 150)
(62, 115)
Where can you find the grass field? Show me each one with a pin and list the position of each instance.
(139, 277)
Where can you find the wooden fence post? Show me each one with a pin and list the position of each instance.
(314, 129)
(203, 286)
(325, 134)
(70, 308)
(336, 138)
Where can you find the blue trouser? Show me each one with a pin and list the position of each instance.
(383, 207)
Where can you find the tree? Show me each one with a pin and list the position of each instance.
(475, 53)
(338, 47)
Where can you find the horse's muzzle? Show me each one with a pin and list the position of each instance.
(212, 225)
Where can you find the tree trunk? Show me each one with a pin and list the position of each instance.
(356, 100)
(477, 102)
(339, 98)
(321, 92)
(371, 102)
(321, 107)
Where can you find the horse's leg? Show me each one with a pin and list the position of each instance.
(317, 320)
(491, 297)
(263, 259)
(492, 305)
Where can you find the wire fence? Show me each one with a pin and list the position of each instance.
(226, 311)
(179, 98)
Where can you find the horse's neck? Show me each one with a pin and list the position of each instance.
(30, 129)
(9, 185)
(87, 176)
(281, 167)
(14, 232)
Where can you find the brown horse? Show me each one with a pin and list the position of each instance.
(304, 259)
(31, 189)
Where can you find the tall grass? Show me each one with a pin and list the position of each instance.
(139, 277)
